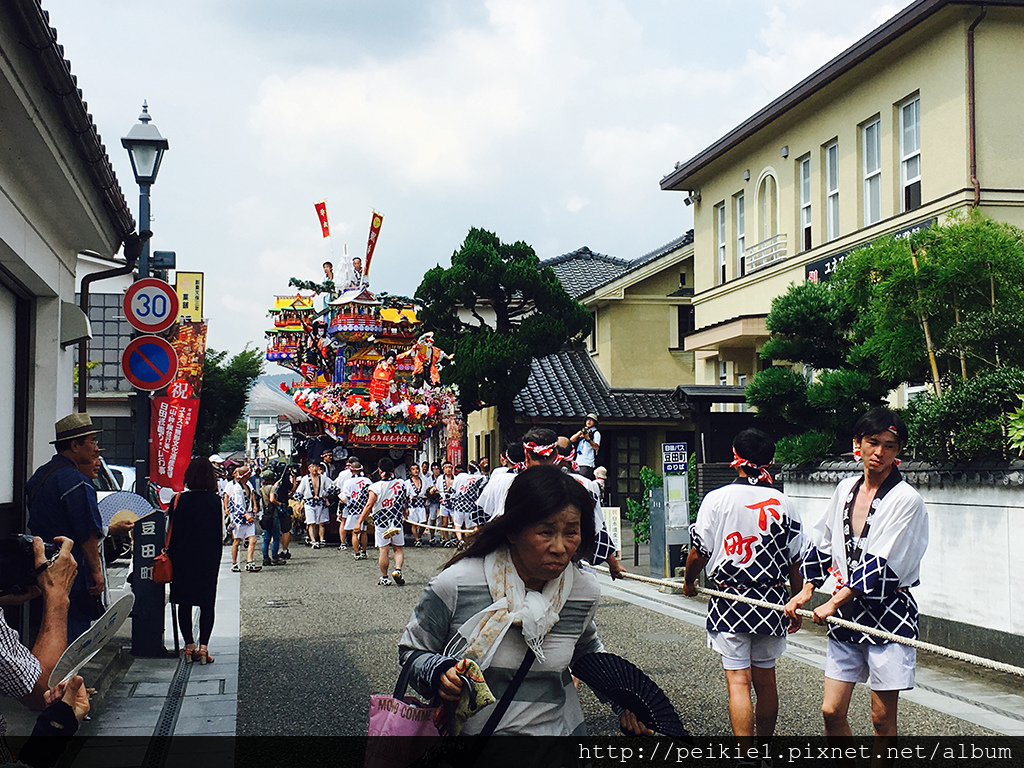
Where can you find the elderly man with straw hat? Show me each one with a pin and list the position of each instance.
(62, 502)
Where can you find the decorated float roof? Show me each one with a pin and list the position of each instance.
(398, 315)
(296, 302)
(360, 295)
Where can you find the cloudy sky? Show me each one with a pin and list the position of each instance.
(548, 121)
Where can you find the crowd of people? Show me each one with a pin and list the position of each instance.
(524, 533)
(443, 504)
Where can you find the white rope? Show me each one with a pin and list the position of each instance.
(980, 661)
(435, 528)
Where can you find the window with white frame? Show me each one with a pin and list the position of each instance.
(720, 225)
(741, 380)
(804, 165)
(723, 373)
(910, 153)
(768, 212)
(592, 338)
(741, 236)
(871, 134)
(832, 190)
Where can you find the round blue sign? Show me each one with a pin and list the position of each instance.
(149, 362)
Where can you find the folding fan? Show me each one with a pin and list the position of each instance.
(622, 681)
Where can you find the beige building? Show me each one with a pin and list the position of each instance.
(627, 370)
(919, 119)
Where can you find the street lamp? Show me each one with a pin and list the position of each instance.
(146, 149)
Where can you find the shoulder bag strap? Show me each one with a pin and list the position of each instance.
(170, 520)
(506, 699)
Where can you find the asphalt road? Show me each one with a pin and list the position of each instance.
(318, 637)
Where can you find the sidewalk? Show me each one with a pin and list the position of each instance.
(143, 699)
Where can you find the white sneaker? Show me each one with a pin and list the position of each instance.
(396, 575)
(384, 582)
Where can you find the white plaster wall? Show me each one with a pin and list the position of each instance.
(975, 551)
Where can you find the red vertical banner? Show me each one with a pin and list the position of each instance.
(454, 452)
(172, 430)
(371, 243)
(321, 211)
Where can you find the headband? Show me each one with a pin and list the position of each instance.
(762, 469)
(541, 450)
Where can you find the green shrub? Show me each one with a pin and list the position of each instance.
(969, 422)
(806, 447)
(638, 512)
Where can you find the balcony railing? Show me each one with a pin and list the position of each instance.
(766, 252)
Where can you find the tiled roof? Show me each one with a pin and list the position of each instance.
(582, 270)
(567, 385)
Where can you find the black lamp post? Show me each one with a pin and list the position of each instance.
(146, 149)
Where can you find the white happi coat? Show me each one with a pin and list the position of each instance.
(353, 494)
(889, 562)
(392, 503)
(747, 533)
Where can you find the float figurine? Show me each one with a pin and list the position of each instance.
(383, 379)
(426, 360)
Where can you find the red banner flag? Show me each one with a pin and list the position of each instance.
(375, 222)
(172, 430)
(321, 211)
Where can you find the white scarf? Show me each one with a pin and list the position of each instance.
(535, 612)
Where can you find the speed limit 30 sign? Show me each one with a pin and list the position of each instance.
(151, 305)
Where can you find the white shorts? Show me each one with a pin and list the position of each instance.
(740, 650)
(432, 513)
(458, 518)
(443, 511)
(397, 540)
(889, 667)
(417, 515)
(350, 522)
(244, 531)
(317, 515)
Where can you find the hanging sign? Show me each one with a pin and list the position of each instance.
(189, 288)
(150, 305)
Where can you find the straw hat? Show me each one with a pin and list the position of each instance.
(74, 426)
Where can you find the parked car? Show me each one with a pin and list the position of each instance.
(125, 476)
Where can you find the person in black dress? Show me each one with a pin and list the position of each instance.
(195, 551)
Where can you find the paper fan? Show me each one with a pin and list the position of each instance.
(622, 681)
(123, 500)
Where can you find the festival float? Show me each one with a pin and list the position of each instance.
(367, 375)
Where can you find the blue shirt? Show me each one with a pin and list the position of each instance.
(64, 504)
(585, 453)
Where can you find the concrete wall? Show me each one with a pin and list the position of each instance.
(969, 595)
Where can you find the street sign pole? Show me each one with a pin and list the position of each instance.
(142, 396)
(675, 463)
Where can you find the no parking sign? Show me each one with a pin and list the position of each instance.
(149, 363)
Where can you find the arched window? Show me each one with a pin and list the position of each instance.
(767, 207)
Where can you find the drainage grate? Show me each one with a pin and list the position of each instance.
(284, 603)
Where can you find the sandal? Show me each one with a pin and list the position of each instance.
(189, 653)
(203, 654)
